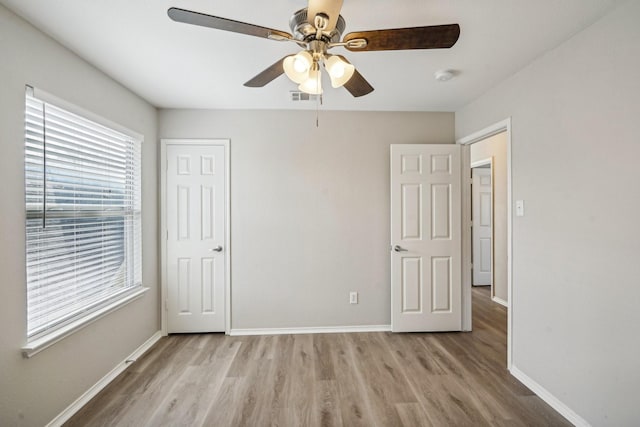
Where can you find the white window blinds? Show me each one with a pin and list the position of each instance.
(83, 223)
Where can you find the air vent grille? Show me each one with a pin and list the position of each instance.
(302, 96)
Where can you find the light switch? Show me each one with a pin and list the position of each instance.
(519, 207)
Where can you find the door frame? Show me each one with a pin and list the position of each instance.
(163, 232)
(466, 141)
(483, 162)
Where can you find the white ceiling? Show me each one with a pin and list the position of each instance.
(175, 65)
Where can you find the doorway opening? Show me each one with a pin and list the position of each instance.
(482, 219)
(488, 149)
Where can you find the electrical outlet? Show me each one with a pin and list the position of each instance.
(353, 297)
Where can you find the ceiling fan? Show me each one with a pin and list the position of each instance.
(317, 29)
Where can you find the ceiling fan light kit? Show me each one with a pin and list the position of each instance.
(317, 29)
(340, 71)
(297, 66)
(313, 83)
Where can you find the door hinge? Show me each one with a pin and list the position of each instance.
(166, 305)
(167, 235)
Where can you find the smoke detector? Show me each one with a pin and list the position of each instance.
(444, 75)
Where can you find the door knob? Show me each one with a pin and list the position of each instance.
(399, 248)
(216, 249)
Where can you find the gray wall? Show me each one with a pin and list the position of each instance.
(310, 209)
(496, 147)
(33, 391)
(576, 146)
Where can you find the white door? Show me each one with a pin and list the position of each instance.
(195, 212)
(426, 287)
(481, 218)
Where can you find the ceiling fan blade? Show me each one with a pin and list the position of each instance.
(357, 85)
(204, 20)
(431, 37)
(331, 8)
(268, 75)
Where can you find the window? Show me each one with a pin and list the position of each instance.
(83, 216)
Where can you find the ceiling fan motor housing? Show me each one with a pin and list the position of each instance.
(304, 31)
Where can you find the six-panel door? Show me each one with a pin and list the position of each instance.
(195, 209)
(425, 238)
(481, 203)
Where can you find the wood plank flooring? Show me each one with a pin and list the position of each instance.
(359, 379)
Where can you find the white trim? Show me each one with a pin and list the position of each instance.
(502, 126)
(483, 162)
(226, 143)
(465, 206)
(227, 232)
(36, 346)
(70, 410)
(549, 398)
(489, 131)
(500, 301)
(311, 330)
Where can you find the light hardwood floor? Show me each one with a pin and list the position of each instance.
(359, 379)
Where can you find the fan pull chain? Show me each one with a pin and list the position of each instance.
(318, 102)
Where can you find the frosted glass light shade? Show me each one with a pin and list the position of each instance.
(339, 70)
(313, 84)
(297, 66)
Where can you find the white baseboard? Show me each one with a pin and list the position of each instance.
(65, 415)
(312, 330)
(551, 400)
(499, 301)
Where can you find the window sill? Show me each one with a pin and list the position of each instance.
(36, 346)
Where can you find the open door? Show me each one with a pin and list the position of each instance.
(426, 246)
